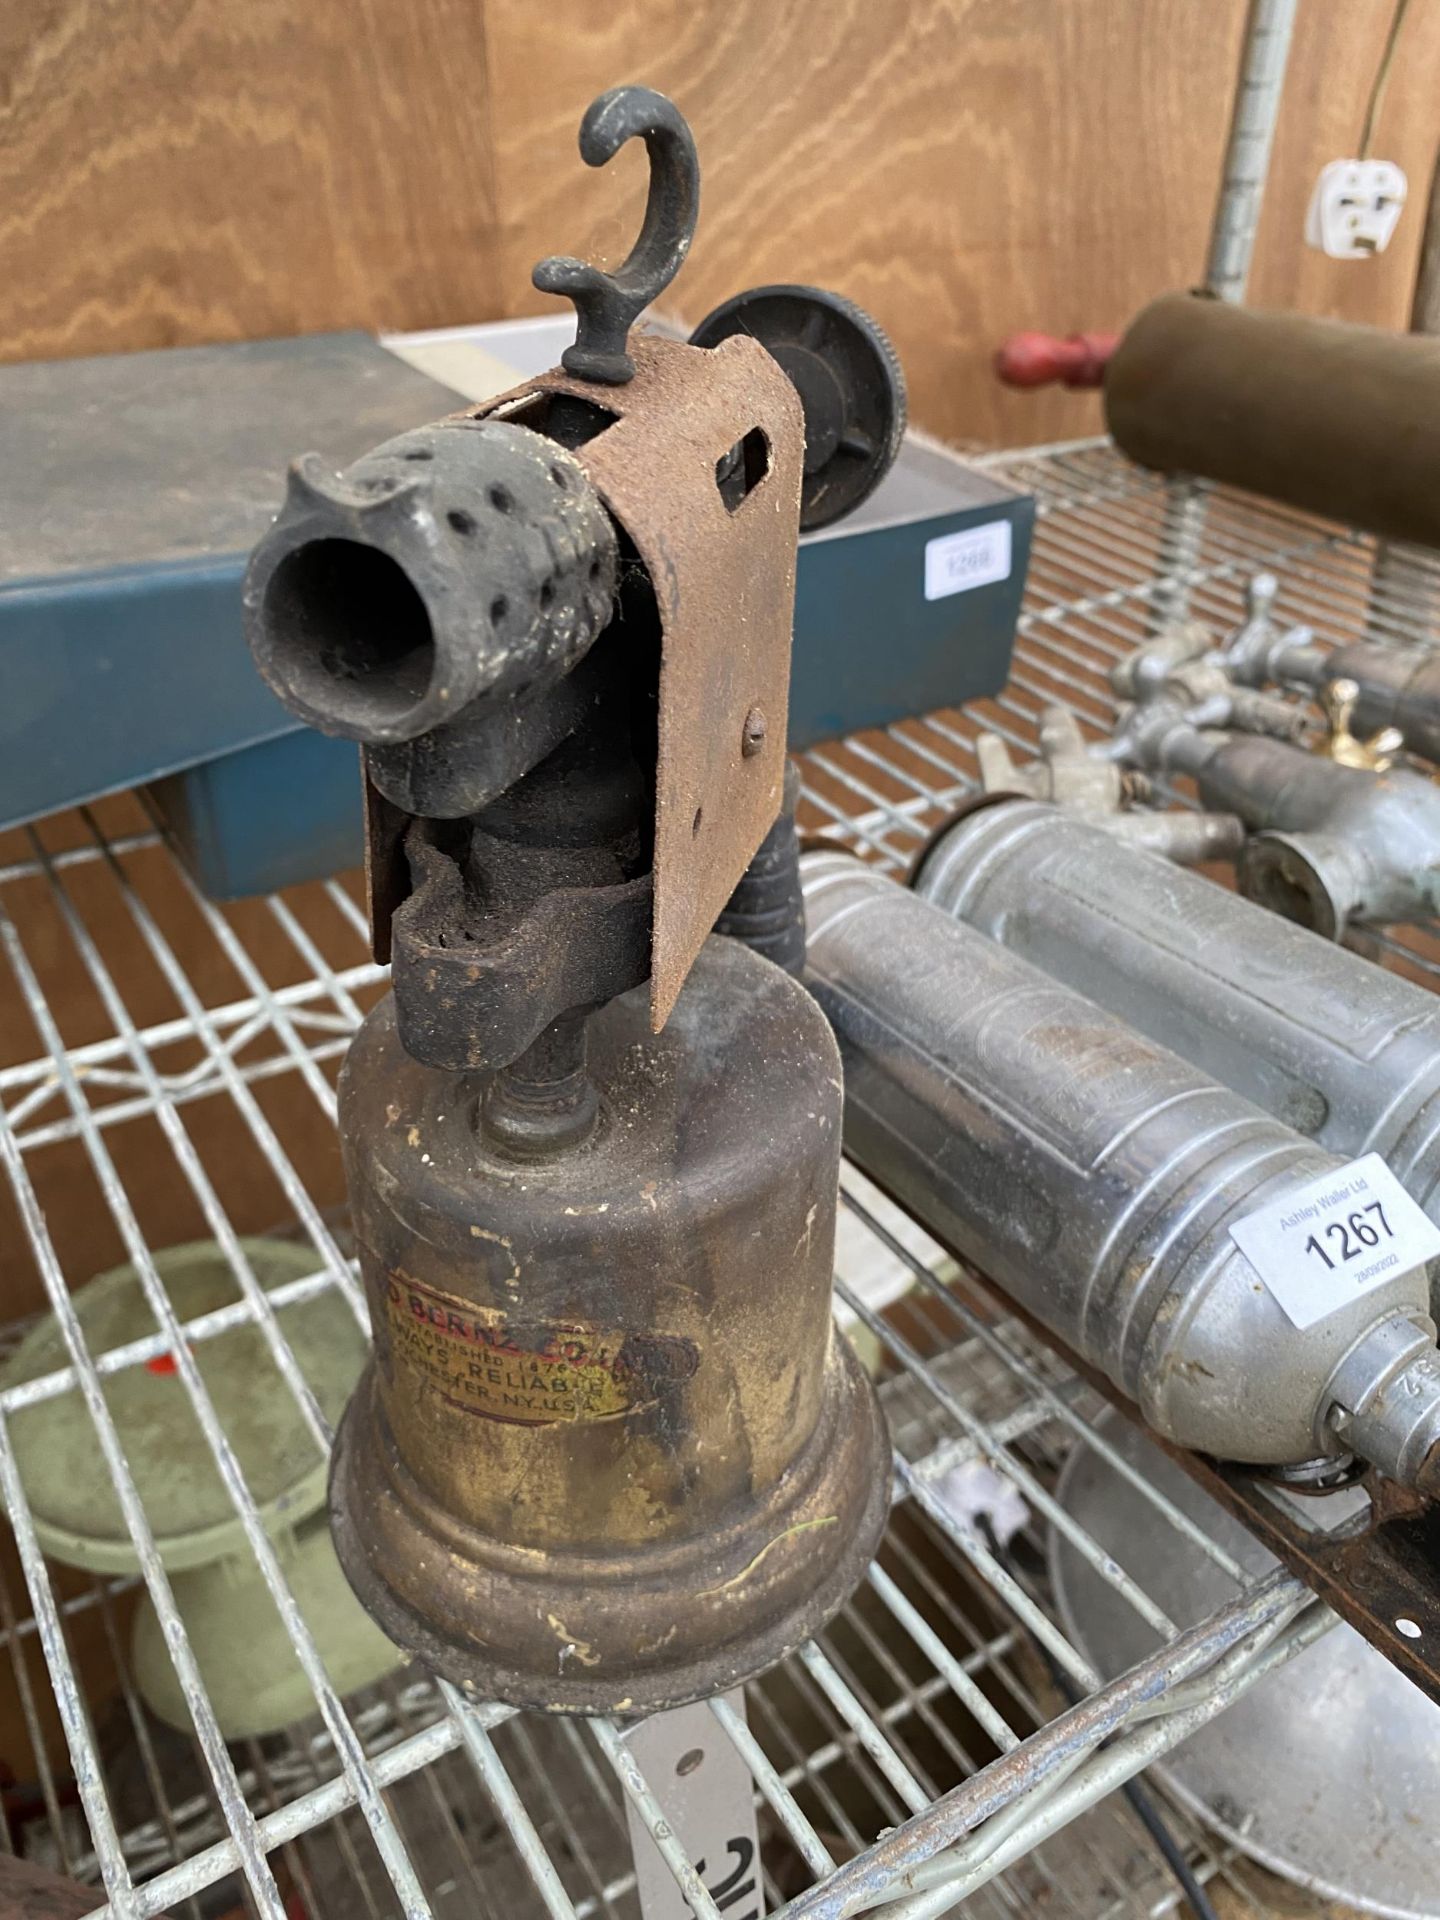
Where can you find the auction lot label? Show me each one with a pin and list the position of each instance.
(1336, 1239)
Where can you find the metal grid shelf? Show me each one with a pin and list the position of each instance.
(1118, 551)
(917, 1752)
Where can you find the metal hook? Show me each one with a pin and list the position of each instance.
(606, 305)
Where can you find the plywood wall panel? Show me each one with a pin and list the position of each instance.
(174, 171)
(183, 170)
(961, 167)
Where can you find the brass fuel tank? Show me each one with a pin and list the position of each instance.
(608, 1428)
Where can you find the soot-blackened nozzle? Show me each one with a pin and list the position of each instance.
(463, 561)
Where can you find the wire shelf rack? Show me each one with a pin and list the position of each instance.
(1118, 553)
(167, 1070)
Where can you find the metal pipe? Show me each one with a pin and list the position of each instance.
(1329, 843)
(1095, 1177)
(1256, 111)
(1189, 839)
(1332, 1045)
(1070, 774)
(1394, 686)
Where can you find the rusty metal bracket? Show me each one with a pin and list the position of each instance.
(701, 466)
(1382, 1578)
(1381, 1574)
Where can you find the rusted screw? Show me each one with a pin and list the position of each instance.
(752, 736)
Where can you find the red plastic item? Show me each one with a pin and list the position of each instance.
(1042, 359)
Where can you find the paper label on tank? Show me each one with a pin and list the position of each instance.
(974, 557)
(1336, 1239)
(530, 1373)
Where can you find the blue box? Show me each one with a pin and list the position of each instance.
(131, 492)
(135, 486)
